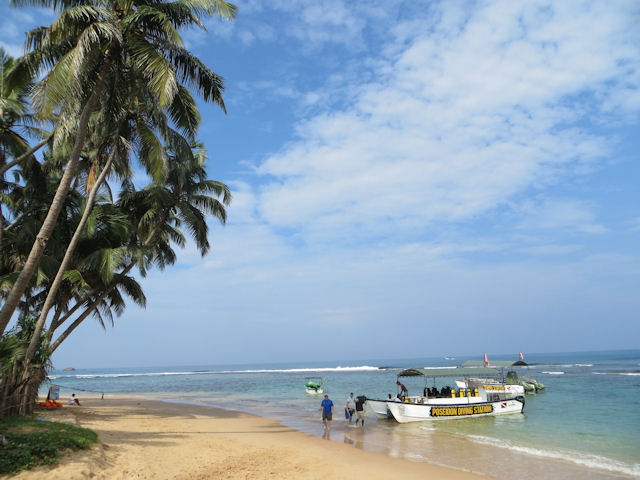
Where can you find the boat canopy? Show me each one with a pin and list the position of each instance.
(448, 372)
(496, 363)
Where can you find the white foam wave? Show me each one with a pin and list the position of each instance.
(123, 375)
(362, 368)
(553, 373)
(632, 374)
(587, 460)
(563, 365)
(216, 372)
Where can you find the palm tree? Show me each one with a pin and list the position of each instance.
(91, 47)
(108, 231)
(119, 134)
(137, 231)
(185, 199)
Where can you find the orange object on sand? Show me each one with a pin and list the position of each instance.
(50, 403)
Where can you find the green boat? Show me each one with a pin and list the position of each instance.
(314, 385)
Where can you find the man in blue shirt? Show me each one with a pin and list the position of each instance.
(327, 413)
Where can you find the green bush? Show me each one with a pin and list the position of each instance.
(34, 442)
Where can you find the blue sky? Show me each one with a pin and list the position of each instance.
(410, 179)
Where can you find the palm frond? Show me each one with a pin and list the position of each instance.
(158, 72)
(192, 71)
(75, 278)
(133, 290)
(225, 10)
(152, 154)
(155, 22)
(184, 113)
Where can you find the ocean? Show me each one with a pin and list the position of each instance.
(584, 425)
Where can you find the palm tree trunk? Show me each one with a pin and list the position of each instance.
(53, 289)
(24, 156)
(1, 219)
(59, 320)
(13, 298)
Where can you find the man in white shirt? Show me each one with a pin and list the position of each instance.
(351, 406)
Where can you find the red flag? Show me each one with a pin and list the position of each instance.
(521, 356)
(486, 360)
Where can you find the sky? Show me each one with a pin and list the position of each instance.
(410, 179)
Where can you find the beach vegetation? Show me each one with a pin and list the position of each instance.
(116, 89)
(30, 441)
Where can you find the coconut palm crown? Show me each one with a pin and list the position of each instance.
(88, 57)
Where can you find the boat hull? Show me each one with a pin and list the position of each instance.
(420, 412)
(379, 407)
(317, 391)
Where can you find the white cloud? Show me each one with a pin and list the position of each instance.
(561, 215)
(469, 115)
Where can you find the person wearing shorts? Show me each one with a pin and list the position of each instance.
(327, 412)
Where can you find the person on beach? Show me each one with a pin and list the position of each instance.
(360, 409)
(327, 413)
(351, 406)
(73, 400)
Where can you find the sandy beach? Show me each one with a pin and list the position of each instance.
(143, 439)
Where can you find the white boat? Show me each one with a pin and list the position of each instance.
(511, 379)
(314, 385)
(491, 384)
(447, 403)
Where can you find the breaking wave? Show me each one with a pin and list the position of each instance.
(216, 372)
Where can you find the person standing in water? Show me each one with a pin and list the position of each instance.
(360, 409)
(351, 406)
(327, 413)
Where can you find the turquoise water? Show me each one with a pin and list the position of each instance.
(586, 424)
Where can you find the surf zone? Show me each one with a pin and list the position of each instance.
(461, 411)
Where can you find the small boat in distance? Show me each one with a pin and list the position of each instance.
(314, 385)
(449, 357)
(447, 403)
